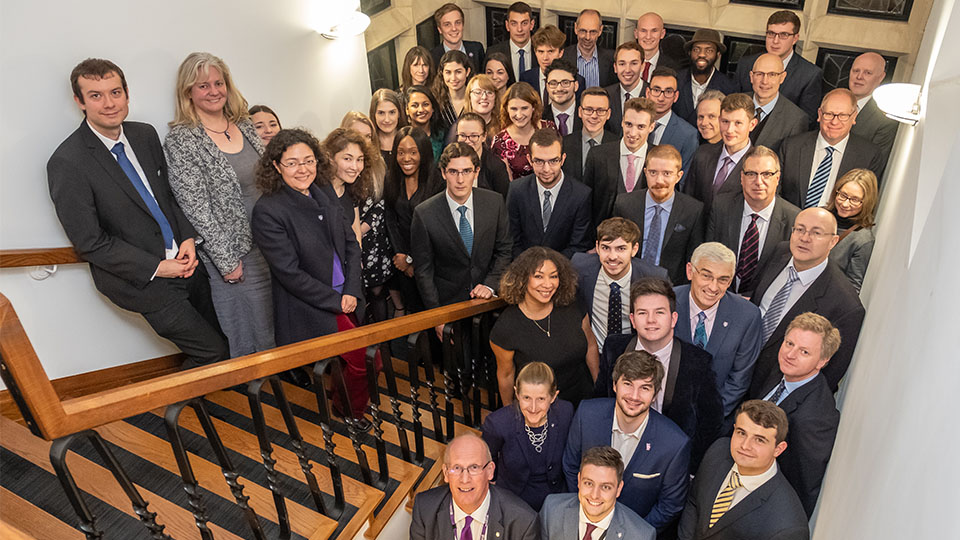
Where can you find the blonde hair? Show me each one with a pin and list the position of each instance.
(484, 82)
(867, 180)
(375, 164)
(820, 325)
(536, 373)
(192, 67)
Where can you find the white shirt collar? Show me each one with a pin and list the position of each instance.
(454, 204)
(764, 214)
(570, 111)
(640, 153)
(107, 141)
(786, 61)
(738, 155)
(705, 84)
(810, 275)
(637, 433)
(839, 147)
(553, 190)
(664, 120)
(479, 515)
(654, 60)
(862, 102)
(601, 525)
(751, 483)
(514, 47)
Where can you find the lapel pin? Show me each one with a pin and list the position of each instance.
(498, 534)
(648, 447)
(620, 535)
(321, 217)
(725, 323)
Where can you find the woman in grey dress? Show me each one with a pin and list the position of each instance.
(212, 150)
(854, 204)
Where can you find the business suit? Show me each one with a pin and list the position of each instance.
(683, 232)
(493, 173)
(560, 520)
(783, 122)
(573, 148)
(588, 269)
(602, 174)
(530, 60)
(615, 122)
(772, 511)
(830, 295)
(474, 54)
(445, 271)
(569, 229)
(734, 342)
(508, 516)
(813, 418)
(875, 127)
(796, 162)
(655, 480)
(577, 122)
(690, 395)
(111, 228)
(803, 84)
(515, 458)
(725, 219)
(682, 136)
(686, 107)
(698, 182)
(604, 63)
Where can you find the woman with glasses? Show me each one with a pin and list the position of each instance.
(485, 102)
(853, 203)
(527, 439)
(493, 175)
(520, 113)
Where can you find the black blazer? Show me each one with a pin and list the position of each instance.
(107, 221)
(685, 107)
(602, 174)
(772, 511)
(796, 162)
(573, 148)
(698, 182)
(830, 295)
(724, 226)
(569, 230)
(508, 518)
(493, 173)
(614, 123)
(783, 122)
(588, 267)
(690, 395)
(604, 63)
(803, 84)
(504, 48)
(813, 418)
(445, 272)
(577, 122)
(474, 53)
(299, 248)
(683, 233)
(875, 127)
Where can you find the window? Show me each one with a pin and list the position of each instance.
(737, 48)
(898, 10)
(836, 67)
(497, 24)
(427, 34)
(782, 4)
(382, 63)
(372, 7)
(608, 34)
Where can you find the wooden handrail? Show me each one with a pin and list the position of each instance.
(15, 258)
(53, 418)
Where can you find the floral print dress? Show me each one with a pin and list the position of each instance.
(515, 154)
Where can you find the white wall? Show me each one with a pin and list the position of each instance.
(276, 58)
(894, 472)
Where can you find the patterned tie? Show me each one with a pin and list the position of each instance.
(547, 209)
(592, 142)
(759, 114)
(771, 319)
(781, 388)
(722, 173)
(523, 62)
(700, 334)
(546, 96)
(589, 534)
(646, 71)
(467, 532)
(724, 499)
(657, 133)
(630, 181)
(820, 178)
(651, 245)
(562, 123)
(614, 311)
(466, 233)
(148, 199)
(749, 253)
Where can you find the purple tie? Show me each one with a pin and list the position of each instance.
(562, 119)
(467, 532)
(722, 173)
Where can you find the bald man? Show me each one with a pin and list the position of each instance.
(648, 33)
(594, 63)
(866, 74)
(799, 278)
(778, 117)
(813, 161)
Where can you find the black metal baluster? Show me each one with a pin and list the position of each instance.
(323, 409)
(461, 347)
(58, 458)
(254, 396)
(448, 365)
(388, 374)
(336, 376)
(171, 418)
(476, 361)
(413, 372)
(374, 391)
(430, 377)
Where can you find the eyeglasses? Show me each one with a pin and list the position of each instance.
(463, 137)
(723, 281)
(590, 111)
(816, 234)
(780, 35)
(829, 116)
(588, 33)
(655, 91)
(766, 175)
(767, 74)
(294, 164)
(843, 197)
(541, 162)
(566, 83)
(480, 93)
(460, 172)
(472, 470)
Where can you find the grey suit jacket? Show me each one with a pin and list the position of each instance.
(852, 254)
(509, 518)
(803, 84)
(614, 124)
(560, 520)
(698, 181)
(573, 148)
(679, 134)
(875, 127)
(783, 122)
(796, 162)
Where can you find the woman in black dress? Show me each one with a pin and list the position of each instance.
(544, 324)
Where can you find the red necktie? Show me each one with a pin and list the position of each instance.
(590, 528)
(749, 253)
(646, 71)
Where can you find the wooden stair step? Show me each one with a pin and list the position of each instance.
(21, 519)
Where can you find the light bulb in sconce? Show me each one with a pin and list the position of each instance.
(900, 101)
(345, 24)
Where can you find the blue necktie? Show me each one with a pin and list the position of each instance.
(820, 179)
(466, 233)
(148, 199)
(781, 388)
(651, 246)
(771, 319)
(614, 311)
(547, 209)
(700, 334)
(523, 63)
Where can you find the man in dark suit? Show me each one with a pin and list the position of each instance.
(617, 167)
(468, 501)
(804, 81)
(802, 392)
(108, 181)
(547, 46)
(449, 21)
(813, 161)
(669, 128)
(604, 277)
(656, 452)
(594, 511)
(779, 118)
(518, 49)
(563, 87)
(704, 49)
(689, 394)
(548, 208)
(671, 223)
(866, 74)
(628, 65)
(595, 64)
(716, 167)
(592, 114)
(799, 278)
(493, 175)
(724, 324)
(649, 32)
(754, 220)
(739, 492)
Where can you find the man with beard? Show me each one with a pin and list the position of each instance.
(704, 49)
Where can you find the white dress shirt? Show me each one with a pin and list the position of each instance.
(462, 48)
(554, 192)
(654, 60)
(807, 277)
(570, 112)
(479, 518)
(634, 92)
(601, 303)
(763, 223)
(456, 213)
(819, 152)
(698, 89)
(862, 102)
(710, 312)
(749, 484)
(626, 443)
(663, 355)
(641, 154)
(601, 525)
(528, 57)
(657, 133)
(736, 157)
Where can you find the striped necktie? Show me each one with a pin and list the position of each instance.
(724, 499)
(820, 178)
(700, 333)
(466, 232)
(771, 319)
(749, 253)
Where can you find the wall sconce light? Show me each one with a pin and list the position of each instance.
(900, 101)
(346, 24)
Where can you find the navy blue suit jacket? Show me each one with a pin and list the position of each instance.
(682, 136)
(474, 53)
(655, 480)
(514, 456)
(569, 230)
(734, 343)
(588, 266)
(685, 107)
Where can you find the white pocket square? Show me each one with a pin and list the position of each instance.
(645, 476)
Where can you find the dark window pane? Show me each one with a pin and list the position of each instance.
(607, 39)
(382, 63)
(782, 4)
(836, 67)
(372, 7)
(497, 24)
(672, 44)
(898, 10)
(737, 48)
(427, 34)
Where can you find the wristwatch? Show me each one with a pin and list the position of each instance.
(409, 259)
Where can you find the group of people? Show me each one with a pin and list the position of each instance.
(701, 240)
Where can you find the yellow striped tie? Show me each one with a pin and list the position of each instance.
(722, 504)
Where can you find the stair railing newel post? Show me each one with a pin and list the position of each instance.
(374, 408)
(391, 379)
(323, 409)
(414, 357)
(254, 397)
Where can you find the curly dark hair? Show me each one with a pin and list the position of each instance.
(335, 142)
(268, 178)
(513, 284)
